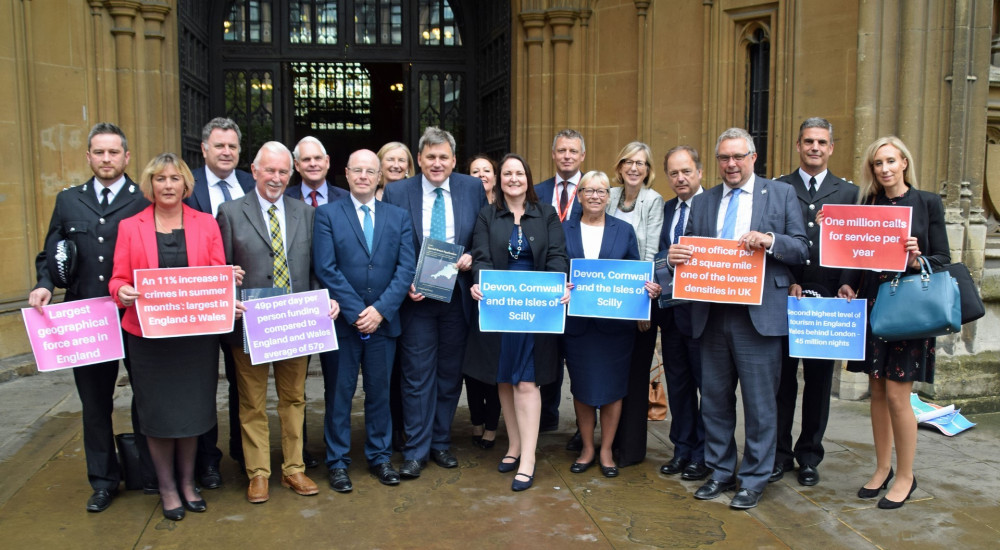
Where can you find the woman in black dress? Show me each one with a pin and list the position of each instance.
(174, 379)
(517, 232)
(889, 178)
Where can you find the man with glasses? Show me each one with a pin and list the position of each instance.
(363, 253)
(739, 342)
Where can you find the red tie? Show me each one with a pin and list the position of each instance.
(312, 196)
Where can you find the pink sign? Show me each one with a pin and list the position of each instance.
(864, 237)
(74, 334)
(185, 301)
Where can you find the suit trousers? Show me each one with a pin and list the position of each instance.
(373, 357)
(96, 386)
(290, 385)
(432, 348)
(208, 450)
(682, 370)
(733, 351)
(817, 384)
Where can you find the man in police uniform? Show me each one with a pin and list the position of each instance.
(88, 216)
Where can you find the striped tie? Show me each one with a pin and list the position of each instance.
(278, 246)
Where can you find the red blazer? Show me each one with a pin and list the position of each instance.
(136, 249)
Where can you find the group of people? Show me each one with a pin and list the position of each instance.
(413, 352)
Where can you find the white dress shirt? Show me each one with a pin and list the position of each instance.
(429, 196)
(215, 193)
(744, 208)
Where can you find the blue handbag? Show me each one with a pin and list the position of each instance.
(917, 306)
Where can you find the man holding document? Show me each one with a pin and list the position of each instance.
(743, 342)
(270, 236)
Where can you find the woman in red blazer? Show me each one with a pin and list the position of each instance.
(174, 379)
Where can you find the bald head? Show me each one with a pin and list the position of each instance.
(362, 174)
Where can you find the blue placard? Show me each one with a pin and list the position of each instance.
(610, 289)
(522, 301)
(827, 328)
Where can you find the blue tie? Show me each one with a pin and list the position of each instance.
(729, 224)
(438, 216)
(224, 186)
(368, 227)
(679, 228)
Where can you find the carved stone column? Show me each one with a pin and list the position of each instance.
(643, 95)
(561, 20)
(123, 13)
(534, 26)
(152, 133)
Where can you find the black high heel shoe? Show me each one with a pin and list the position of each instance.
(887, 504)
(194, 505)
(504, 467)
(173, 514)
(518, 485)
(865, 492)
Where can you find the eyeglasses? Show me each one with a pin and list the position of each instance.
(724, 159)
(599, 192)
(369, 172)
(637, 163)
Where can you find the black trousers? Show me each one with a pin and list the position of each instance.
(818, 383)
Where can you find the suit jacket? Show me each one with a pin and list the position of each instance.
(200, 200)
(833, 191)
(336, 193)
(776, 211)
(545, 190)
(467, 198)
(618, 243)
(136, 249)
(647, 219)
(681, 313)
(356, 278)
(77, 217)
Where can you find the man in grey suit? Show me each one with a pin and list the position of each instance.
(739, 342)
(270, 237)
(814, 186)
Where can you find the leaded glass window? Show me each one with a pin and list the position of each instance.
(312, 21)
(248, 21)
(331, 96)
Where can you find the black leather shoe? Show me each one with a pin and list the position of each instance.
(522, 482)
(309, 460)
(210, 478)
(340, 481)
(504, 467)
(745, 499)
(194, 505)
(808, 476)
(609, 471)
(865, 492)
(575, 443)
(778, 472)
(675, 466)
(696, 471)
(885, 504)
(385, 473)
(580, 467)
(174, 514)
(486, 443)
(444, 458)
(410, 469)
(100, 500)
(150, 488)
(712, 489)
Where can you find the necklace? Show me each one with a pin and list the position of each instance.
(621, 202)
(159, 225)
(520, 241)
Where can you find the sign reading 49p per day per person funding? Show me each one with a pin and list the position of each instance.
(610, 289)
(289, 325)
(522, 301)
(720, 271)
(864, 237)
(74, 334)
(185, 301)
(827, 328)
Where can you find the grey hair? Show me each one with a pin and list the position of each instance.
(435, 136)
(220, 123)
(307, 139)
(569, 133)
(107, 128)
(816, 122)
(277, 148)
(736, 133)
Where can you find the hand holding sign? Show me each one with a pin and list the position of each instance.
(865, 237)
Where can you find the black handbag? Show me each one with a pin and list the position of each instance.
(917, 306)
(972, 304)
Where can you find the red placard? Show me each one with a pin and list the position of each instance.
(720, 271)
(864, 237)
(185, 301)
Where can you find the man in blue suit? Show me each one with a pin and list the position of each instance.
(217, 182)
(363, 253)
(681, 351)
(443, 206)
(739, 342)
(312, 163)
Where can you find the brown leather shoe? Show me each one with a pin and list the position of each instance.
(257, 492)
(299, 483)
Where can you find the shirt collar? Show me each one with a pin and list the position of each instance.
(688, 201)
(746, 188)
(212, 179)
(265, 204)
(819, 177)
(357, 203)
(320, 191)
(573, 180)
(429, 187)
(115, 188)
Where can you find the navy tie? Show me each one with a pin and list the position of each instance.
(679, 228)
(812, 187)
(729, 224)
(105, 193)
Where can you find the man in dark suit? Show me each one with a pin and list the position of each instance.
(568, 153)
(442, 206)
(312, 163)
(88, 216)
(681, 351)
(814, 186)
(363, 253)
(739, 342)
(269, 235)
(217, 182)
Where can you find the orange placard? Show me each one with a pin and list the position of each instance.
(185, 301)
(864, 237)
(720, 271)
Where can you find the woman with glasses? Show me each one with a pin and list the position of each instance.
(636, 203)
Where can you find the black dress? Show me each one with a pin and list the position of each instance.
(517, 349)
(174, 379)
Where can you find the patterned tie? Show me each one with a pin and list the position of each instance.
(812, 187)
(278, 246)
(563, 198)
(368, 227)
(679, 228)
(438, 216)
(729, 224)
(312, 196)
(224, 186)
(105, 193)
